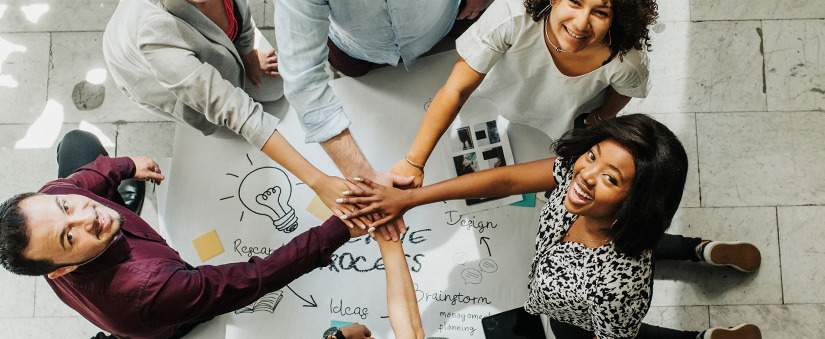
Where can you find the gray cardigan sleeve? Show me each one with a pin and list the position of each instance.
(199, 85)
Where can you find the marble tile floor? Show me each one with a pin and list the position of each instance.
(742, 83)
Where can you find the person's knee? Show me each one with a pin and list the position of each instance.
(79, 136)
(353, 72)
(76, 149)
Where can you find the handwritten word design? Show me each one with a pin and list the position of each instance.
(481, 225)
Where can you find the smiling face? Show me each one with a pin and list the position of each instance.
(68, 229)
(579, 24)
(601, 179)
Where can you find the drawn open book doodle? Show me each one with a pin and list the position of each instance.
(267, 303)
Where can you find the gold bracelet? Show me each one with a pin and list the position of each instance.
(414, 164)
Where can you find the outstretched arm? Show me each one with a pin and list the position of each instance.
(536, 176)
(327, 187)
(401, 302)
(349, 159)
(442, 111)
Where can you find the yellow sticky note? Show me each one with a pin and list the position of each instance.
(318, 209)
(208, 245)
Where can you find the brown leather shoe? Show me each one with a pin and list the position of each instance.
(739, 255)
(132, 191)
(744, 331)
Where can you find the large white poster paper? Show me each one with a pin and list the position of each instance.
(464, 266)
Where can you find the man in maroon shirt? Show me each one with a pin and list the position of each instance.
(109, 265)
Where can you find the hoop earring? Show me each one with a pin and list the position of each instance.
(545, 10)
(609, 38)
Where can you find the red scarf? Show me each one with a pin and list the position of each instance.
(232, 30)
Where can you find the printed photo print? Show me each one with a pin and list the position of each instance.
(494, 157)
(461, 139)
(465, 163)
(486, 133)
(468, 163)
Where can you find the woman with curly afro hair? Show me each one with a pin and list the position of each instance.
(545, 63)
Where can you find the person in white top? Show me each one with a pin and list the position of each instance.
(545, 62)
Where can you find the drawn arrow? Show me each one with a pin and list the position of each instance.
(309, 303)
(484, 240)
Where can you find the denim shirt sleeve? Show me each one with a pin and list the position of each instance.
(302, 28)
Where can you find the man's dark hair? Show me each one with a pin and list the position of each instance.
(657, 185)
(629, 29)
(14, 239)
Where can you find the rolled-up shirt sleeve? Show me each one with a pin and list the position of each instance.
(632, 80)
(200, 86)
(302, 28)
(483, 44)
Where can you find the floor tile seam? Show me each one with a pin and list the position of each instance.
(643, 111)
(819, 110)
(52, 31)
(753, 206)
(112, 122)
(698, 157)
(26, 125)
(779, 252)
(49, 66)
(761, 31)
(88, 30)
(755, 19)
(117, 137)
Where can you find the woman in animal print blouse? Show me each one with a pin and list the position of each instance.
(615, 188)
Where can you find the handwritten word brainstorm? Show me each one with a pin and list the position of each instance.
(449, 298)
(347, 261)
(454, 218)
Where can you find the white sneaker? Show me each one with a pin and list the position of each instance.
(744, 331)
(742, 256)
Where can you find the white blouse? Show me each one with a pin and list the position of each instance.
(522, 78)
(597, 289)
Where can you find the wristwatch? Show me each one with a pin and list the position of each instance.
(334, 333)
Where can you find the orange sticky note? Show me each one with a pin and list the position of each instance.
(208, 245)
(318, 209)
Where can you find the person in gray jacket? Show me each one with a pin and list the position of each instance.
(190, 60)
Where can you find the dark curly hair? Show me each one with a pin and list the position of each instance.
(656, 189)
(628, 29)
(14, 239)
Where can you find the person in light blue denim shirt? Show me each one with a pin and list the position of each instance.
(370, 32)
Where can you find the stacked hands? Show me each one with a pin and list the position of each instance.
(388, 203)
(368, 204)
(356, 213)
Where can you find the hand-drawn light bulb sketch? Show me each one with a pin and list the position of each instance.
(266, 191)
